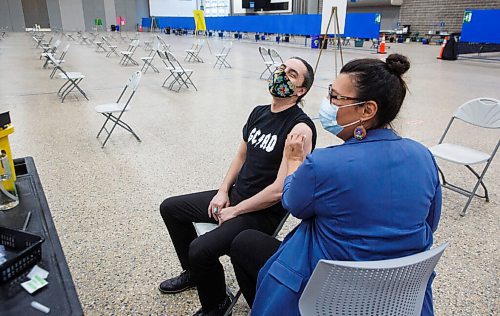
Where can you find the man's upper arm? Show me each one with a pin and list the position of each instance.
(304, 129)
(301, 129)
(242, 150)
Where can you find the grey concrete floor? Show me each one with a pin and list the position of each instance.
(105, 202)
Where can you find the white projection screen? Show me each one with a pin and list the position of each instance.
(172, 7)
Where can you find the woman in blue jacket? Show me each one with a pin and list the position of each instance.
(375, 197)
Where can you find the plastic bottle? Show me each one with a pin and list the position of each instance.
(8, 192)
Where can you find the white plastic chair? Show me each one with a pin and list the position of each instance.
(112, 48)
(193, 54)
(84, 40)
(277, 61)
(163, 43)
(72, 80)
(69, 36)
(127, 56)
(203, 228)
(275, 57)
(148, 44)
(114, 111)
(180, 75)
(41, 43)
(222, 57)
(148, 60)
(50, 49)
(162, 54)
(481, 112)
(99, 45)
(53, 53)
(36, 40)
(59, 61)
(359, 288)
(123, 37)
(268, 61)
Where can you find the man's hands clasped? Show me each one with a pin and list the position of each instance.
(220, 207)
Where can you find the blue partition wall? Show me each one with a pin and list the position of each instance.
(362, 25)
(484, 27)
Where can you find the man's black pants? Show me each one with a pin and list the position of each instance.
(200, 255)
(249, 252)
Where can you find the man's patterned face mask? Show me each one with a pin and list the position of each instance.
(279, 85)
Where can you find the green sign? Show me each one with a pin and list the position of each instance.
(377, 19)
(467, 16)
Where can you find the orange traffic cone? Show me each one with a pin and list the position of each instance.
(442, 48)
(381, 47)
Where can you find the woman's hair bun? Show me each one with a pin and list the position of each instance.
(397, 64)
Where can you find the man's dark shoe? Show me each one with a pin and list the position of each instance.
(220, 310)
(178, 284)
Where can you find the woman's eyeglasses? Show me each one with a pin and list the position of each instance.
(333, 96)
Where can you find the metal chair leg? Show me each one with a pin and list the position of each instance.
(234, 300)
(104, 125)
(479, 178)
(479, 181)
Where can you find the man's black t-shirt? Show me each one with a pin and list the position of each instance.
(265, 133)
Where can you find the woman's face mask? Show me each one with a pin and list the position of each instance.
(280, 85)
(328, 116)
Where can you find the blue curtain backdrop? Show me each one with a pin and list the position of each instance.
(362, 25)
(483, 27)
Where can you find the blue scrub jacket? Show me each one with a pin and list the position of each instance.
(374, 199)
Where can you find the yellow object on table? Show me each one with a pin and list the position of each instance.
(5, 146)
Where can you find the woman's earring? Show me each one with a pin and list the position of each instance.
(360, 131)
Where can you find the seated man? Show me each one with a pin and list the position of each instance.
(377, 196)
(250, 195)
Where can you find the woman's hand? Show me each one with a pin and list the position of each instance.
(219, 201)
(226, 214)
(294, 147)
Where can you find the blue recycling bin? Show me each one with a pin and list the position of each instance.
(117, 28)
(315, 41)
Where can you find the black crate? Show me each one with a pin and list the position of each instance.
(24, 251)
